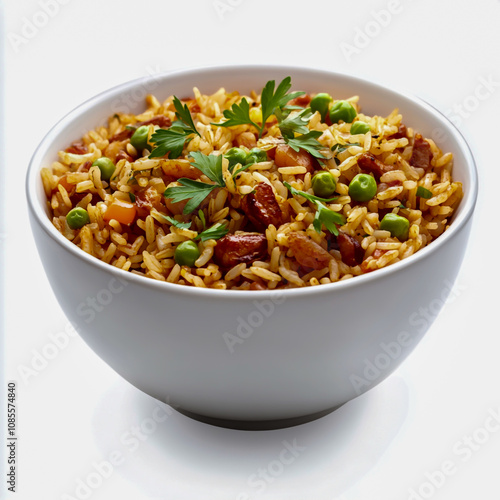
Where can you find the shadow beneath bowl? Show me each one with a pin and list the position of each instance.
(257, 425)
(168, 455)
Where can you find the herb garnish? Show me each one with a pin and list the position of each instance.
(323, 214)
(424, 193)
(173, 139)
(217, 231)
(239, 114)
(197, 191)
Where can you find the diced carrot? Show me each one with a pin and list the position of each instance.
(121, 211)
(66, 185)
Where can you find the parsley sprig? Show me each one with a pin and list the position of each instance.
(217, 231)
(197, 191)
(271, 99)
(324, 216)
(171, 141)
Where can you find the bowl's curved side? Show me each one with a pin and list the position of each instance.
(271, 358)
(252, 355)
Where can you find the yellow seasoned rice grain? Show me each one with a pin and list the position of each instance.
(84, 186)
(274, 263)
(297, 170)
(388, 245)
(207, 253)
(390, 193)
(150, 229)
(235, 271)
(174, 274)
(290, 276)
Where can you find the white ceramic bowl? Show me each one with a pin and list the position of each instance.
(257, 358)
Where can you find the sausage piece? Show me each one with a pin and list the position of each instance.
(350, 249)
(261, 207)
(422, 154)
(369, 163)
(77, 148)
(402, 130)
(146, 200)
(234, 249)
(307, 252)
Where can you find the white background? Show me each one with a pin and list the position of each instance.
(74, 412)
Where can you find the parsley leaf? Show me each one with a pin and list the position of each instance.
(194, 191)
(424, 193)
(323, 214)
(170, 141)
(173, 139)
(309, 142)
(239, 114)
(201, 215)
(184, 115)
(197, 191)
(210, 165)
(291, 124)
(176, 223)
(215, 232)
(270, 100)
(307, 196)
(327, 217)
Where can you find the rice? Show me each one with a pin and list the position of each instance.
(133, 226)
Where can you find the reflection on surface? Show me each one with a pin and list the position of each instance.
(169, 455)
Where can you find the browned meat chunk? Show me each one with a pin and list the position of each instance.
(123, 155)
(234, 249)
(77, 148)
(422, 154)
(369, 163)
(307, 252)
(146, 199)
(261, 207)
(402, 130)
(350, 249)
(303, 101)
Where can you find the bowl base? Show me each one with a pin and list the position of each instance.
(257, 425)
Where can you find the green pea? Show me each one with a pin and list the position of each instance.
(363, 188)
(236, 155)
(398, 226)
(106, 166)
(323, 184)
(359, 128)
(77, 218)
(320, 103)
(342, 111)
(139, 138)
(186, 253)
(256, 155)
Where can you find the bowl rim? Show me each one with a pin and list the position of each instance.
(38, 214)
